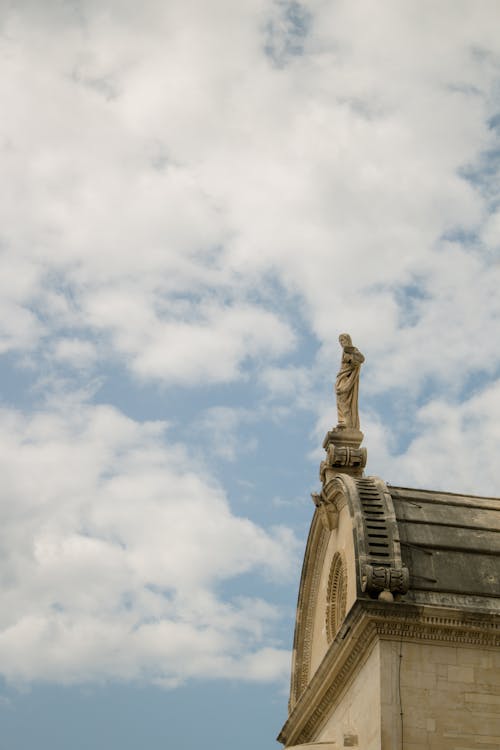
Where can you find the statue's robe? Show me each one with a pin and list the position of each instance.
(347, 388)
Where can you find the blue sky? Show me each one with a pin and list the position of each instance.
(197, 198)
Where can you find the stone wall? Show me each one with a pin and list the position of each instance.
(356, 719)
(449, 697)
(434, 697)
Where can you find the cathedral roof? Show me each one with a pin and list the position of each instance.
(450, 544)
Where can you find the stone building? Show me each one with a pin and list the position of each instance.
(398, 620)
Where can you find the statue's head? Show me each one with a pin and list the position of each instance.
(345, 339)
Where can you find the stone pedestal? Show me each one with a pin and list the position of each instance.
(343, 454)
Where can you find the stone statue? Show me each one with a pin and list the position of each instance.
(347, 384)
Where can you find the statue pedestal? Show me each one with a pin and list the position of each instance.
(343, 454)
(343, 436)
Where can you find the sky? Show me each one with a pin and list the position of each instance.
(197, 198)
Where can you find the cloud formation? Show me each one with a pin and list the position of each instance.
(164, 183)
(113, 545)
(204, 195)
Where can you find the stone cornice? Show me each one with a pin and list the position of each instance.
(367, 622)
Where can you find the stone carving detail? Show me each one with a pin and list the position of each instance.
(329, 516)
(336, 596)
(382, 572)
(329, 506)
(300, 678)
(342, 457)
(342, 444)
(345, 456)
(347, 384)
(378, 579)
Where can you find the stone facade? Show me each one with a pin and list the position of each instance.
(398, 621)
(450, 696)
(397, 631)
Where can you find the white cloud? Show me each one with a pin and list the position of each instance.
(451, 445)
(456, 448)
(112, 545)
(75, 352)
(167, 169)
(19, 327)
(187, 185)
(491, 232)
(220, 427)
(293, 384)
(212, 347)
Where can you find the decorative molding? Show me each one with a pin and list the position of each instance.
(329, 504)
(337, 493)
(342, 458)
(354, 660)
(378, 550)
(445, 630)
(343, 436)
(377, 578)
(308, 595)
(343, 454)
(336, 597)
(382, 571)
(345, 653)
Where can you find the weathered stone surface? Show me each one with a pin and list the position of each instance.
(342, 443)
(431, 667)
(347, 384)
(451, 546)
(343, 454)
(397, 632)
(415, 663)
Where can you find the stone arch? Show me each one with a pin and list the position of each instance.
(332, 531)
